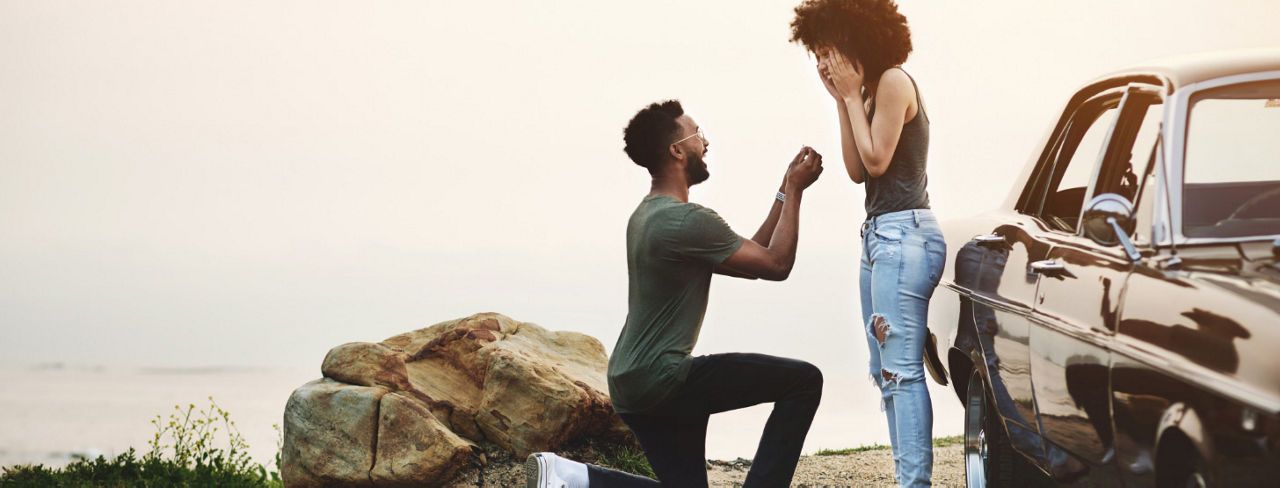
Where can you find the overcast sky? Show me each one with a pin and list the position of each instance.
(252, 183)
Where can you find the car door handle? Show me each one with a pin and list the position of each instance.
(1048, 267)
(991, 241)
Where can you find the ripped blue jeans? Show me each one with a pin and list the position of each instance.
(903, 254)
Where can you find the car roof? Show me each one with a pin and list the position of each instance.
(1177, 71)
(1193, 68)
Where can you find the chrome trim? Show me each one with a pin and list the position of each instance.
(989, 239)
(1064, 327)
(1172, 262)
(975, 438)
(996, 302)
(1127, 244)
(1047, 266)
(1226, 240)
(1160, 213)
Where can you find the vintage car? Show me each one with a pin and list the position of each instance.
(1116, 322)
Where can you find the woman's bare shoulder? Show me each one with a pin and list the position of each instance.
(895, 81)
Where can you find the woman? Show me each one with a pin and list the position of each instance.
(884, 133)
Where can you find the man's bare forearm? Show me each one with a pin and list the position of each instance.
(786, 234)
(774, 262)
(765, 233)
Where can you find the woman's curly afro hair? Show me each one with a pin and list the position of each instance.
(870, 31)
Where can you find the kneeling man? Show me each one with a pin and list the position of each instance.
(664, 394)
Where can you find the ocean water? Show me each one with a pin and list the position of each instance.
(52, 414)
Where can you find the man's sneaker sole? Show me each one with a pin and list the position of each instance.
(531, 471)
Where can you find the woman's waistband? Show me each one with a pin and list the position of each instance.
(914, 216)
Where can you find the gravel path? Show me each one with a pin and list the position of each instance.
(861, 469)
(872, 468)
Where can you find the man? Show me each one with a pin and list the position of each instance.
(663, 393)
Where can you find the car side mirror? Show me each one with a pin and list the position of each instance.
(1108, 219)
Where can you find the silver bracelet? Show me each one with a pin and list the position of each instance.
(782, 197)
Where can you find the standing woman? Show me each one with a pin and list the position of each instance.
(884, 134)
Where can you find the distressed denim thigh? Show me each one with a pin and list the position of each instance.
(900, 288)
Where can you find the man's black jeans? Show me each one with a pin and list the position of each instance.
(674, 434)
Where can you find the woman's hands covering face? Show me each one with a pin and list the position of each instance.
(842, 78)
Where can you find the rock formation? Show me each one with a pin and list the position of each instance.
(409, 410)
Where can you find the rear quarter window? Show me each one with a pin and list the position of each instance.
(1231, 174)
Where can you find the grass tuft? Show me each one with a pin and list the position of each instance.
(937, 442)
(629, 459)
(951, 440)
(851, 450)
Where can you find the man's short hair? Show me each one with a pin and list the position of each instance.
(650, 132)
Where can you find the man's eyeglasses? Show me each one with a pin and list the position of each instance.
(699, 133)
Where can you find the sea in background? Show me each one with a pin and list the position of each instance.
(247, 183)
(53, 413)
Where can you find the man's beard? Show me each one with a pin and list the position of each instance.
(696, 170)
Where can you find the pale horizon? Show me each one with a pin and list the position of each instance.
(236, 187)
(251, 184)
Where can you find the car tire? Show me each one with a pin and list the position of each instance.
(1182, 467)
(989, 457)
(1198, 477)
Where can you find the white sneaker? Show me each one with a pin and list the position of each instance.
(540, 471)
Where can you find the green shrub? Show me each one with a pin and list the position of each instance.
(183, 453)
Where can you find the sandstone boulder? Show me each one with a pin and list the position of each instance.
(330, 432)
(409, 410)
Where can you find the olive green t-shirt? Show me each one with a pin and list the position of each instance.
(672, 249)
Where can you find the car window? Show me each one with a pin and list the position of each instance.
(1231, 175)
(1143, 211)
(1131, 143)
(1145, 141)
(1079, 151)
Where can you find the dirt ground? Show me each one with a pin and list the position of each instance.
(861, 469)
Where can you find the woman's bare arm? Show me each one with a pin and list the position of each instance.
(874, 140)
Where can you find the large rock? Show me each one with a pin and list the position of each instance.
(330, 432)
(408, 410)
(413, 447)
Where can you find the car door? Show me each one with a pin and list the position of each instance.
(1079, 296)
(1185, 339)
(1002, 295)
(1005, 293)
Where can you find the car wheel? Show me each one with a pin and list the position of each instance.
(989, 458)
(1196, 479)
(1193, 476)
(1183, 468)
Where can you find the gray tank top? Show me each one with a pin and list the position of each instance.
(902, 186)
